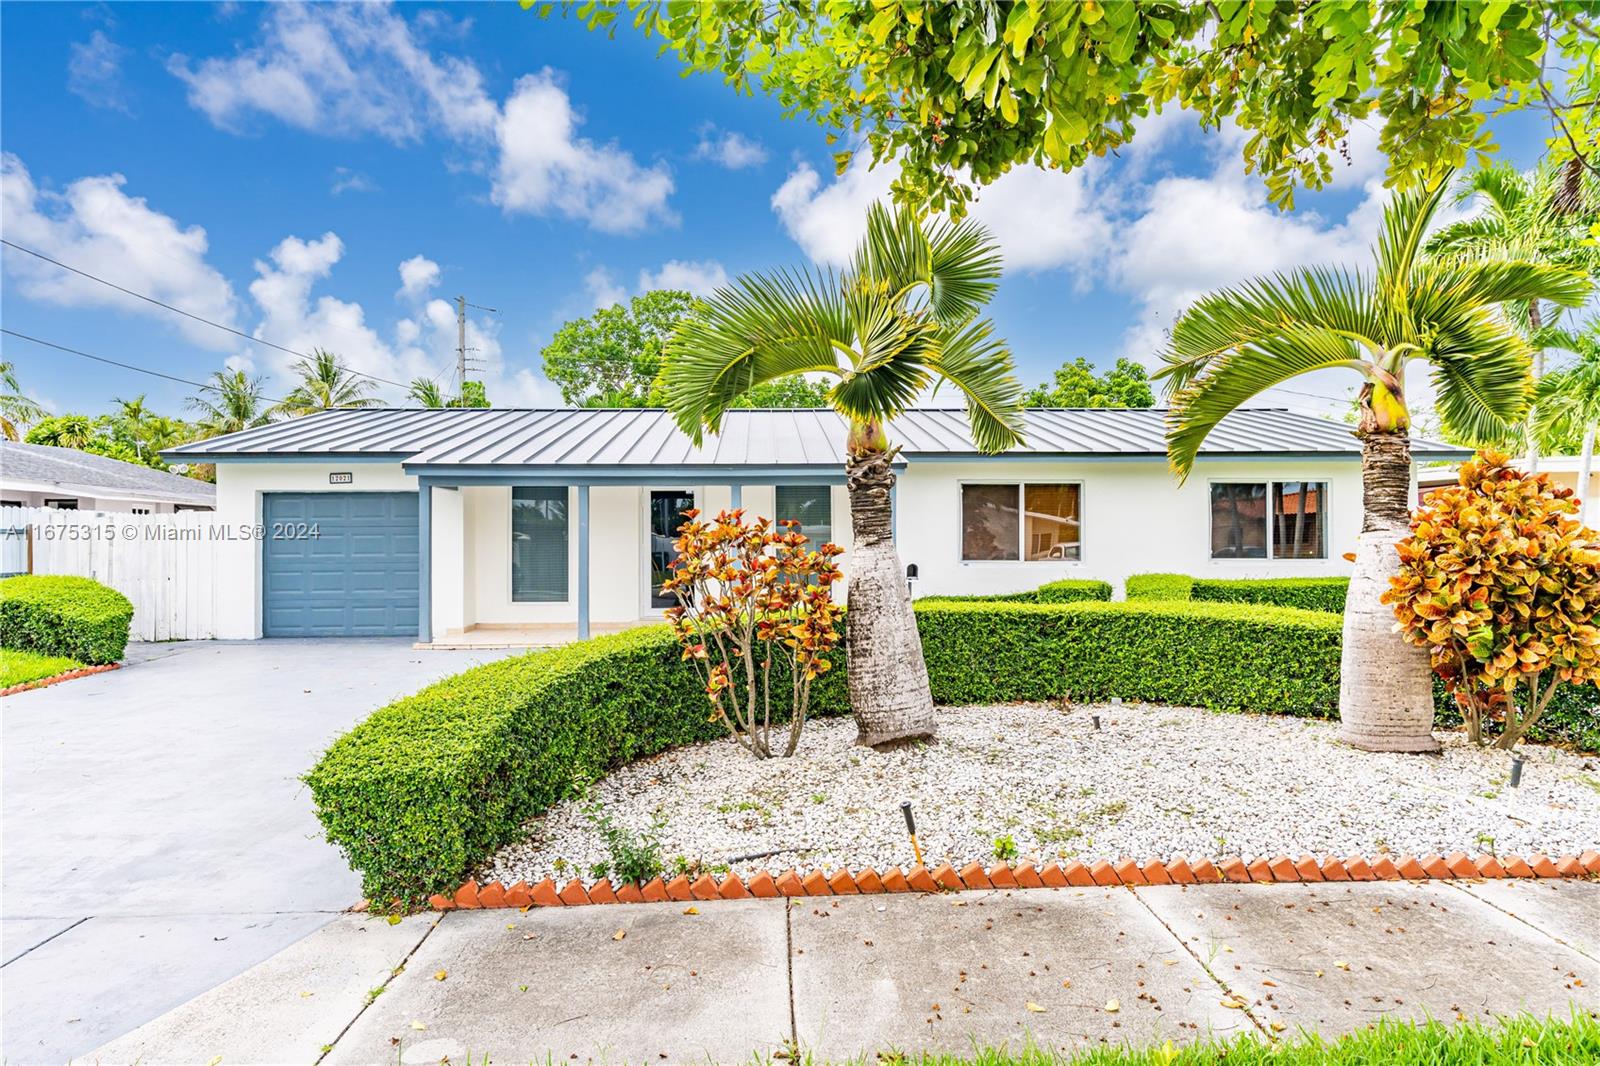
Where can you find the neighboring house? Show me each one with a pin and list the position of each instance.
(38, 475)
(437, 522)
(1563, 470)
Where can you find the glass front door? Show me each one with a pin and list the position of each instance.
(666, 515)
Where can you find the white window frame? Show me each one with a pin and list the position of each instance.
(1022, 525)
(1272, 541)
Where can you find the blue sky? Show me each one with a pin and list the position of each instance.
(328, 176)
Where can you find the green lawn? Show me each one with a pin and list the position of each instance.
(1521, 1041)
(19, 667)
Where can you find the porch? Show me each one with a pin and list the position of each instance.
(492, 636)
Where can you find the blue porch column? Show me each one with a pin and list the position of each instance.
(424, 560)
(735, 496)
(583, 562)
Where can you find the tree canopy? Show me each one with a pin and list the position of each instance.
(615, 356)
(1077, 385)
(962, 90)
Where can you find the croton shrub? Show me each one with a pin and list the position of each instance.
(752, 597)
(1501, 583)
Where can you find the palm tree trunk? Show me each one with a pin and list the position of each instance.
(1585, 464)
(1385, 684)
(1535, 323)
(889, 691)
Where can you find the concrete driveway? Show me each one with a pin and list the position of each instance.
(157, 837)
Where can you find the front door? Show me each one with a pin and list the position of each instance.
(666, 515)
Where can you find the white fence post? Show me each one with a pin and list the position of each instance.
(164, 563)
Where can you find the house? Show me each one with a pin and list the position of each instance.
(1563, 470)
(38, 475)
(459, 524)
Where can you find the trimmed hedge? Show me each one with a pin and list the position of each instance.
(74, 617)
(1072, 590)
(1158, 587)
(1304, 593)
(426, 787)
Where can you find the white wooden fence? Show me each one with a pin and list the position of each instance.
(166, 564)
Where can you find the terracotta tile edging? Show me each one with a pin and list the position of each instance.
(1102, 873)
(44, 682)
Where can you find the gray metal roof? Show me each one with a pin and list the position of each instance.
(647, 437)
(86, 474)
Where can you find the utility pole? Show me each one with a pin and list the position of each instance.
(461, 344)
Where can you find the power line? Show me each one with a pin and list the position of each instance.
(186, 314)
(116, 363)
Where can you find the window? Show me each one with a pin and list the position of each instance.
(539, 545)
(62, 505)
(138, 510)
(1243, 526)
(1033, 522)
(811, 506)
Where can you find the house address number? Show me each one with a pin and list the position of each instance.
(341, 478)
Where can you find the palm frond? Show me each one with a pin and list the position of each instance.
(979, 364)
(1405, 223)
(965, 270)
(1242, 373)
(1439, 286)
(894, 252)
(1480, 371)
(762, 327)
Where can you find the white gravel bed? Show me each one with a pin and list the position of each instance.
(1155, 781)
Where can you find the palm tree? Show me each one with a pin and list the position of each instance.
(325, 384)
(231, 402)
(1569, 402)
(903, 317)
(1235, 343)
(426, 393)
(16, 410)
(1542, 216)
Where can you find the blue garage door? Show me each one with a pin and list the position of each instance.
(340, 564)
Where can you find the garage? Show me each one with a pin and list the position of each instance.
(339, 564)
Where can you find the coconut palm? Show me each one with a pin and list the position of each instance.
(1541, 216)
(231, 402)
(325, 384)
(1569, 402)
(904, 316)
(16, 410)
(1235, 343)
(426, 393)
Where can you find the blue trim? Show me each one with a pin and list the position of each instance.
(425, 561)
(735, 496)
(583, 562)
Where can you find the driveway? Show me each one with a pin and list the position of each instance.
(157, 837)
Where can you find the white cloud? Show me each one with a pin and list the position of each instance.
(729, 148)
(545, 167)
(343, 70)
(701, 278)
(603, 288)
(347, 180)
(417, 275)
(94, 225)
(1041, 219)
(94, 72)
(362, 69)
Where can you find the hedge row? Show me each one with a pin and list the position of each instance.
(74, 617)
(426, 787)
(1066, 591)
(1305, 593)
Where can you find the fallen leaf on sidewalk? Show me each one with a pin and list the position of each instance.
(1233, 1003)
(1342, 965)
(418, 1025)
(1277, 1027)
(441, 975)
(691, 910)
(1112, 1006)
(1031, 1005)
(394, 919)
(1270, 983)
(1319, 973)
(307, 995)
(1067, 983)
(619, 934)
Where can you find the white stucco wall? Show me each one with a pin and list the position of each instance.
(1136, 518)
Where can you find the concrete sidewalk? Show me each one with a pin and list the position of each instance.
(846, 976)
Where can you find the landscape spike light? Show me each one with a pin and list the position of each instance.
(1516, 771)
(911, 828)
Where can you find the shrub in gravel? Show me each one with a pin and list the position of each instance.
(427, 786)
(1158, 586)
(1222, 656)
(54, 614)
(1073, 590)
